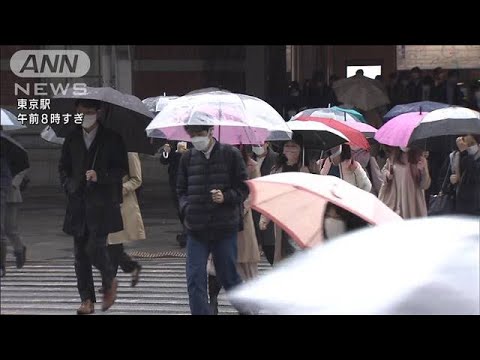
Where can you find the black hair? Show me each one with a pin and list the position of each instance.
(416, 69)
(88, 103)
(359, 72)
(452, 73)
(197, 128)
(282, 159)
(346, 153)
(352, 221)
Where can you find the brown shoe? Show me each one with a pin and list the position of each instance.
(110, 296)
(86, 308)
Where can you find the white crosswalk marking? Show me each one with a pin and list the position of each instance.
(49, 288)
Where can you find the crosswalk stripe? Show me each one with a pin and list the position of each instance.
(50, 288)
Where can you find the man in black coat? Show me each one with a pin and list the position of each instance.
(266, 158)
(92, 164)
(172, 159)
(211, 189)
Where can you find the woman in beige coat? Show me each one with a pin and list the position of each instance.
(289, 161)
(133, 228)
(406, 179)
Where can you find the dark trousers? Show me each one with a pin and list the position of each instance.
(119, 257)
(224, 254)
(91, 249)
(269, 251)
(177, 207)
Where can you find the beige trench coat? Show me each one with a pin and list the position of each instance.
(133, 228)
(248, 251)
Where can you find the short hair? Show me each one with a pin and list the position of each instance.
(88, 103)
(359, 72)
(197, 128)
(416, 69)
(452, 73)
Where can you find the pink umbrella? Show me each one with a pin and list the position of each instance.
(397, 131)
(296, 202)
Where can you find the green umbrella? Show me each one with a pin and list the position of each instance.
(352, 112)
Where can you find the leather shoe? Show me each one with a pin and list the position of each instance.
(136, 275)
(86, 308)
(110, 295)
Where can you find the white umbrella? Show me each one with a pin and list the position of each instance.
(9, 121)
(236, 118)
(49, 135)
(420, 266)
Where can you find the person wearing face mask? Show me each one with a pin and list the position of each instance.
(172, 160)
(406, 179)
(266, 159)
(92, 164)
(289, 161)
(371, 167)
(338, 221)
(466, 177)
(341, 164)
(211, 189)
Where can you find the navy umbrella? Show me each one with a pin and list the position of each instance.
(421, 106)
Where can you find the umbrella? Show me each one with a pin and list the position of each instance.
(296, 202)
(9, 121)
(157, 103)
(454, 120)
(367, 130)
(317, 135)
(360, 91)
(236, 118)
(15, 153)
(425, 266)
(397, 131)
(124, 114)
(352, 112)
(49, 135)
(356, 137)
(415, 107)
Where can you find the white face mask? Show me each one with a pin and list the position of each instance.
(258, 150)
(472, 150)
(89, 121)
(201, 142)
(404, 149)
(334, 227)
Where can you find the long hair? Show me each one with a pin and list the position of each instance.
(282, 159)
(352, 221)
(413, 156)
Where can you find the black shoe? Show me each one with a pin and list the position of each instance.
(20, 257)
(3, 271)
(136, 275)
(181, 239)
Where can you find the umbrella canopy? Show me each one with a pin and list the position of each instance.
(17, 156)
(352, 112)
(454, 120)
(360, 91)
(236, 118)
(415, 107)
(296, 202)
(325, 117)
(157, 103)
(397, 131)
(9, 121)
(388, 269)
(49, 135)
(124, 114)
(317, 135)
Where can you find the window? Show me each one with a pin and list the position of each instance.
(368, 70)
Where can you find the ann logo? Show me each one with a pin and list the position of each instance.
(50, 63)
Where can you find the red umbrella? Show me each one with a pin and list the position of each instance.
(356, 137)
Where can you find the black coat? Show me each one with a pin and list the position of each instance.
(95, 206)
(268, 163)
(172, 161)
(197, 176)
(266, 237)
(468, 190)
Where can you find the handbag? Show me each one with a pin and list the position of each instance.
(442, 204)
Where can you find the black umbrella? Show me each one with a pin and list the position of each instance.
(424, 106)
(15, 154)
(124, 114)
(439, 127)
